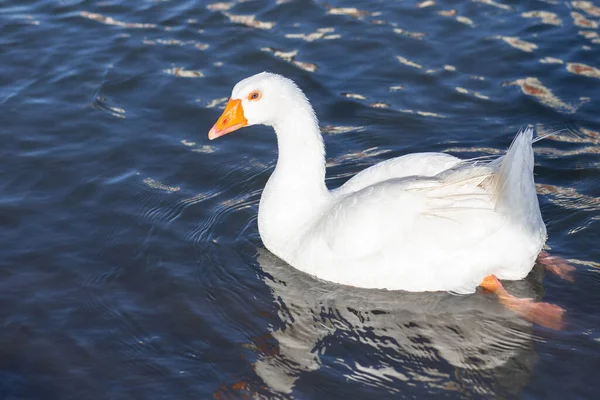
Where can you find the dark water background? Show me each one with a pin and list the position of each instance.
(130, 262)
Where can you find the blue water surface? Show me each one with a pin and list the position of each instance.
(131, 265)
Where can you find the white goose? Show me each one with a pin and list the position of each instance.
(420, 222)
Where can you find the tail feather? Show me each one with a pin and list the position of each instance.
(512, 186)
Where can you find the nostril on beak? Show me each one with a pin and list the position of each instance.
(226, 120)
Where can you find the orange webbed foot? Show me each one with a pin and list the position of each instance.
(544, 314)
(556, 265)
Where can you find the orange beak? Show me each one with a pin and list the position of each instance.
(231, 120)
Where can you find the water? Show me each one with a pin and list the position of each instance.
(131, 266)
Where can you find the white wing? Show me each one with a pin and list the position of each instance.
(396, 211)
(416, 164)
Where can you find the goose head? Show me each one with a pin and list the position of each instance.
(261, 99)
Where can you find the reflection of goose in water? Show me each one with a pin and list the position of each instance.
(445, 342)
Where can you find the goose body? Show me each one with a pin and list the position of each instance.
(419, 222)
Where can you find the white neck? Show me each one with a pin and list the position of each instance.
(296, 191)
(301, 156)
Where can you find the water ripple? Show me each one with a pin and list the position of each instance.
(111, 21)
(132, 266)
(532, 86)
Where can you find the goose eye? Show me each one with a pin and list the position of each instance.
(254, 95)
